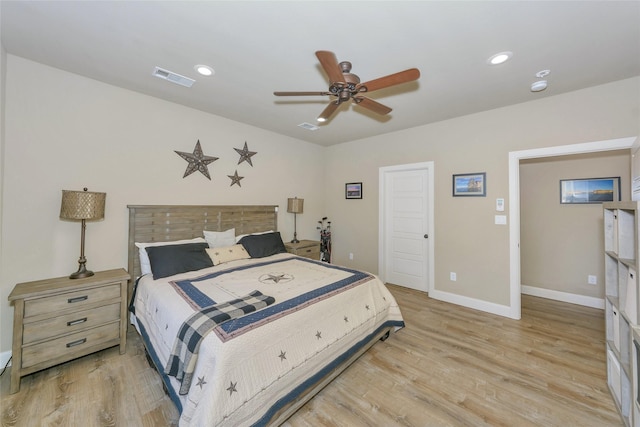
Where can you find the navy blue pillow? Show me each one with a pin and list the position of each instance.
(262, 245)
(174, 259)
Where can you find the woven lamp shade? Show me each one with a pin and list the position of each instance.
(79, 205)
(295, 205)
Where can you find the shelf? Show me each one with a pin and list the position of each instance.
(621, 250)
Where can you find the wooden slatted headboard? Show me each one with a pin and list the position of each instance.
(158, 223)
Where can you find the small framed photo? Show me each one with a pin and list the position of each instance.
(353, 190)
(591, 190)
(470, 184)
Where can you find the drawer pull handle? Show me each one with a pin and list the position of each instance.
(308, 250)
(77, 322)
(75, 343)
(77, 299)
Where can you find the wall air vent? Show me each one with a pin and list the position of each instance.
(173, 77)
(308, 126)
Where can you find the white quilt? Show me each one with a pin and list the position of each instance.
(249, 368)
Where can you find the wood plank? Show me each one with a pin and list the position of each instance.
(450, 366)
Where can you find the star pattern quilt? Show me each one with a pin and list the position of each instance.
(252, 366)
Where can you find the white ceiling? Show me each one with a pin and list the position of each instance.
(264, 46)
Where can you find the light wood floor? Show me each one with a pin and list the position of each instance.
(449, 366)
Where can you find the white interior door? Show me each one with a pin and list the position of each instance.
(406, 221)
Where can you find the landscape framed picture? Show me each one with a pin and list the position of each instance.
(470, 184)
(353, 190)
(589, 190)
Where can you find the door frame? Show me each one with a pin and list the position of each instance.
(382, 238)
(514, 201)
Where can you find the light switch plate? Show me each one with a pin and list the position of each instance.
(501, 219)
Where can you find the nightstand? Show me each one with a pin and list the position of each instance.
(56, 320)
(305, 248)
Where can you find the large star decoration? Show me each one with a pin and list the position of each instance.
(245, 154)
(235, 179)
(197, 161)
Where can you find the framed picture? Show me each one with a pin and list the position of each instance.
(353, 190)
(590, 190)
(470, 184)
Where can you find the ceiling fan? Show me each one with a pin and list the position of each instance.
(346, 86)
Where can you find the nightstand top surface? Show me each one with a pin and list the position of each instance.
(40, 288)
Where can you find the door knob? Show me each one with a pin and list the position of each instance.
(426, 236)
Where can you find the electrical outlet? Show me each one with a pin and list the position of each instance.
(351, 256)
(592, 280)
(452, 276)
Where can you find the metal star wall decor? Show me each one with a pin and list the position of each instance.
(235, 179)
(197, 161)
(245, 154)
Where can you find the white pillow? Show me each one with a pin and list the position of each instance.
(243, 235)
(145, 264)
(221, 255)
(216, 239)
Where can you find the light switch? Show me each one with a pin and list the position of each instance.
(501, 219)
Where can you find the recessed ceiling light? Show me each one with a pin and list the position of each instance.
(500, 58)
(204, 70)
(321, 119)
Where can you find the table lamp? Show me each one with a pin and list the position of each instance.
(295, 206)
(84, 206)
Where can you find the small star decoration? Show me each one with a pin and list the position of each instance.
(275, 277)
(201, 382)
(232, 388)
(282, 355)
(197, 161)
(245, 154)
(235, 179)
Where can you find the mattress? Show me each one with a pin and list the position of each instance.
(250, 368)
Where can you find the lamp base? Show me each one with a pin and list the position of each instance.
(295, 241)
(81, 273)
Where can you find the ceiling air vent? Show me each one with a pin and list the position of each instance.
(308, 126)
(173, 77)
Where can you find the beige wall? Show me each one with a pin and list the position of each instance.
(561, 244)
(466, 239)
(64, 131)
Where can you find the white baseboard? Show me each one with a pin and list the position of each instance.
(563, 296)
(4, 357)
(476, 304)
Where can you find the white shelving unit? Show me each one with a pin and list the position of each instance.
(621, 247)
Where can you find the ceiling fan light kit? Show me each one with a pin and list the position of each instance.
(345, 86)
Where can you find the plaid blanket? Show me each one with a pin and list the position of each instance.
(182, 361)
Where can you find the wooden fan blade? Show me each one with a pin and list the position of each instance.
(330, 65)
(390, 80)
(300, 93)
(327, 112)
(372, 105)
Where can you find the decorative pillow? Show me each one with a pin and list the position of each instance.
(238, 238)
(145, 265)
(217, 239)
(174, 259)
(262, 245)
(229, 253)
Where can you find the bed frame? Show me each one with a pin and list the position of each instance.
(156, 223)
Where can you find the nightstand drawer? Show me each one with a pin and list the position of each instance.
(304, 248)
(312, 252)
(72, 300)
(67, 345)
(73, 322)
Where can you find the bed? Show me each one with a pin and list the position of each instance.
(242, 332)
